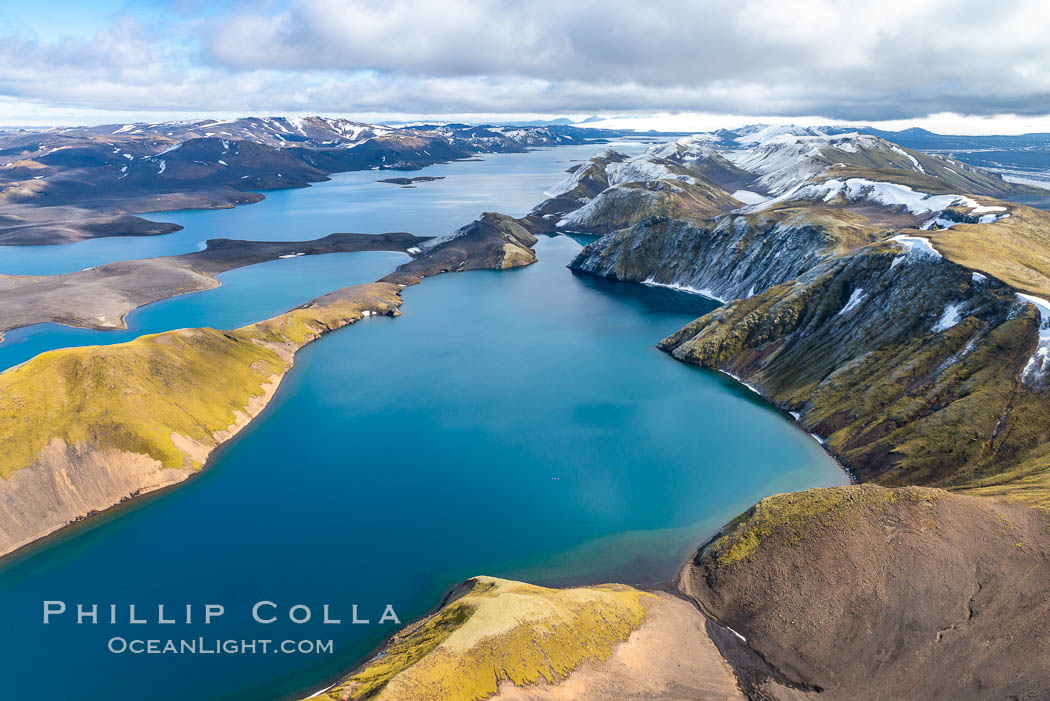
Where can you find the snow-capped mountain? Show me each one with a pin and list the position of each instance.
(786, 167)
(270, 131)
(784, 160)
(686, 177)
(759, 134)
(688, 148)
(118, 160)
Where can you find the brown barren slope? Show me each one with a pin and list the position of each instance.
(875, 593)
(498, 639)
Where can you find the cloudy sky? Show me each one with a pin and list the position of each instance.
(973, 65)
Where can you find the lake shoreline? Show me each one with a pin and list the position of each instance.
(102, 297)
(497, 233)
(487, 245)
(144, 471)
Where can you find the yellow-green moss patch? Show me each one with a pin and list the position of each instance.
(499, 631)
(188, 384)
(1015, 250)
(790, 516)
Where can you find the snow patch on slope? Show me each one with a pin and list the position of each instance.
(1039, 363)
(939, 222)
(750, 198)
(990, 218)
(684, 288)
(949, 318)
(570, 181)
(917, 245)
(886, 194)
(854, 301)
(914, 161)
(167, 150)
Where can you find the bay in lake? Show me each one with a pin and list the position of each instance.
(517, 423)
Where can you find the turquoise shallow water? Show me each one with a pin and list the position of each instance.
(246, 295)
(516, 423)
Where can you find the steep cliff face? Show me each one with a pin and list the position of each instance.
(723, 258)
(907, 365)
(870, 593)
(625, 204)
(66, 483)
(492, 241)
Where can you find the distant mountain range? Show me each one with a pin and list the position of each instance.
(120, 169)
(1023, 158)
(911, 138)
(125, 169)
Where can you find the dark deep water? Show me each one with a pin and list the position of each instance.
(516, 423)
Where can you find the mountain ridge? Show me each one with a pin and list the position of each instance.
(66, 184)
(908, 278)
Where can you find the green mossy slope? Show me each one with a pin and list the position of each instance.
(1015, 249)
(897, 398)
(190, 383)
(498, 631)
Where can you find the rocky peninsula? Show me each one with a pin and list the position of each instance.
(101, 297)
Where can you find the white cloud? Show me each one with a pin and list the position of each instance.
(895, 59)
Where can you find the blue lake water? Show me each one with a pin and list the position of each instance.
(355, 201)
(246, 295)
(517, 423)
(511, 183)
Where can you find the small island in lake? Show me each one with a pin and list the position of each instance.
(410, 181)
